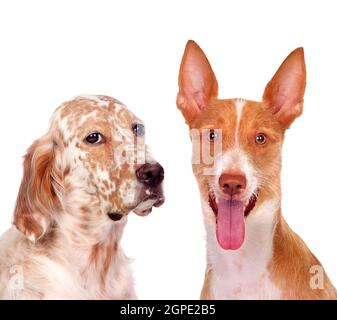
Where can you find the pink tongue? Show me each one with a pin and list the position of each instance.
(230, 226)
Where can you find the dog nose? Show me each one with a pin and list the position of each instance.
(232, 183)
(150, 174)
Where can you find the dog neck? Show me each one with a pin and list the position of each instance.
(244, 273)
(91, 245)
(95, 266)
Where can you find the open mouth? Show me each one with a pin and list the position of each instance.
(150, 200)
(230, 219)
(248, 208)
(143, 207)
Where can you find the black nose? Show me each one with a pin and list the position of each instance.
(150, 174)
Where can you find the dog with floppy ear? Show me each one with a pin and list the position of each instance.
(251, 251)
(80, 182)
(37, 199)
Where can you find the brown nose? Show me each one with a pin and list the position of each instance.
(150, 174)
(232, 183)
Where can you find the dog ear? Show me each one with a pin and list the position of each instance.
(37, 200)
(197, 82)
(284, 93)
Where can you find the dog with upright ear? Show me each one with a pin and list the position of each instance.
(285, 91)
(198, 85)
(37, 200)
(251, 251)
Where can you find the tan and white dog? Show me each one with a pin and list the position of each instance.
(80, 182)
(251, 251)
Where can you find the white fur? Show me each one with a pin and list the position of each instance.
(83, 245)
(46, 277)
(239, 106)
(243, 273)
(96, 98)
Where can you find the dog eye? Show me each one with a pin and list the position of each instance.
(260, 139)
(138, 129)
(95, 138)
(212, 135)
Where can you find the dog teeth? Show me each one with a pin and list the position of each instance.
(147, 192)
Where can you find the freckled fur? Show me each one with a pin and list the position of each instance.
(62, 238)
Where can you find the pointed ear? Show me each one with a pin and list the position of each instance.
(284, 93)
(37, 200)
(197, 82)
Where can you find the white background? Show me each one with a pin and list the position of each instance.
(131, 50)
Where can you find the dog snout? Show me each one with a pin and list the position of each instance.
(150, 174)
(233, 183)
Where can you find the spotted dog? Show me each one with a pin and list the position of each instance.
(80, 182)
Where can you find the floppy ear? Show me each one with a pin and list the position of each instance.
(37, 200)
(284, 93)
(197, 82)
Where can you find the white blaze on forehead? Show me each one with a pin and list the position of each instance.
(239, 105)
(236, 159)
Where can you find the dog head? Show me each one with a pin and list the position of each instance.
(237, 143)
(88, 172)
